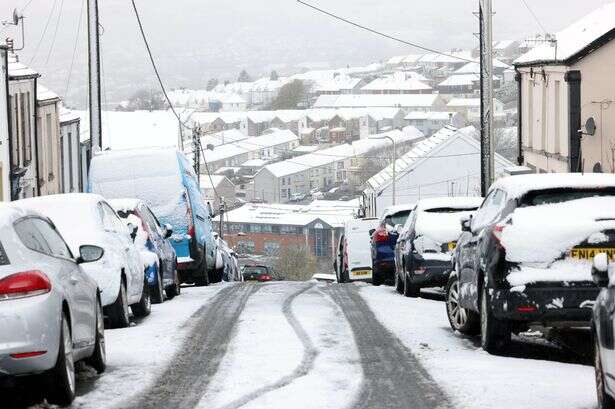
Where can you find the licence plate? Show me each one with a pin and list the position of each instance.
(361, 273)
(452, 245)
(588, 253)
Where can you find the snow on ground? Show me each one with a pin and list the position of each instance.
(264, 332)
(136, 355)
(472, 378)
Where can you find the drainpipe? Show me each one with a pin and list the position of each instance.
(573, 78)
(9, 125)
(35, 133)
(519, 78)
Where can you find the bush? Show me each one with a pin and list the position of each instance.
(296, 263)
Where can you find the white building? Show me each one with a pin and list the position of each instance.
(48, 140)
(277, 182)
(215, 187)
(446, 164)
(409, 102)
(430, 122)
(397, 83)
(470, 108)
(70, 152)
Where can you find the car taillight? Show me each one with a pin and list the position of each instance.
(497, 234)
(24, 284)
(381, 234)
(264, 277)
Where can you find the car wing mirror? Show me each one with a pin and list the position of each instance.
(371, 232)
(168, 230)
(466, 223)
(600, 269)
(89, 254)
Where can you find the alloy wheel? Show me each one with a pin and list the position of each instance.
(69, 363)
(457, 313)
(124, 302)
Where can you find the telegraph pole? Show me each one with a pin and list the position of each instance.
(485, 15)
(222, 209)
(94, 76)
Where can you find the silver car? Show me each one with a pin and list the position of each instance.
(50, 310)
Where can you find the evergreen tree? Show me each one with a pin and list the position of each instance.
(274, 76)
(211, 84)
(244, 77)
(291, 95)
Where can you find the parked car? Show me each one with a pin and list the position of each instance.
(603, 321)
(428, 244)
(119, 273)
(230, 261)
(353, 261)
(384, 239)
(152, 240)
(51, 309)
(525, 257)
(260, 273)
(164, 179)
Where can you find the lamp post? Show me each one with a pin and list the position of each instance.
(394, 161)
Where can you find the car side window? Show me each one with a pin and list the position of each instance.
(111, 220)
(490, 209)
(30, 236)
(56, 243)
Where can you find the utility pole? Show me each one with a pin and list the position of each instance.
(485, 15)
(222, 209)
(94, 76)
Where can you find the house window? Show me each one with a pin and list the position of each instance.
(22, 122)
(28, 134)
(15, 129)
(70, 161)
(245, 247)
(271, 248)
(543, 120)
(557, 117)
(530, 112)
(39, 154)
(62, 167)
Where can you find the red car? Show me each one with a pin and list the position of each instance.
(259, 273)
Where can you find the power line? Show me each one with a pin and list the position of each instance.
(534, 15)
(72, 60)
(390, 37)
(38, 45)
(55, 33)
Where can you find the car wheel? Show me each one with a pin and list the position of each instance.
(174, 290)
(376, 277)
(98, 360)
(410, 289)
(62, 376)
(158, 291)
(494, 333)
(605, 401)
(461, 319)
(118, 311)
(144, 307)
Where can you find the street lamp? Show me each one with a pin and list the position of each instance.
(394, 159)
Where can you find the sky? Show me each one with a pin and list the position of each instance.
(194, 40)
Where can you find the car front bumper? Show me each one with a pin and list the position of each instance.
(29, 325)
(545, 304)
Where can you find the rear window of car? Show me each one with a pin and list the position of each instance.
(255, 270)
(553, 196)
(451, 209)
(125, 213)
(397, 218)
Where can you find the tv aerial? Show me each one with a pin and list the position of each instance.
(17, 20)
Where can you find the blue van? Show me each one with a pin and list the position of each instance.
(164, 179)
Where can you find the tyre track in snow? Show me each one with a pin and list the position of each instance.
(183, 383)
(307, 362)
(393, 377)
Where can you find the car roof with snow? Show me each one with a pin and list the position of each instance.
(518, 185)
(124, 205)
(455, 202)
(391, 210)
(65, 198)
(9, 212)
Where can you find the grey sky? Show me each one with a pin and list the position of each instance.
(196, 39)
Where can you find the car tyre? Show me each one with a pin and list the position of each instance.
(118, 311)
(461, 319)
(495, 333)
(410, 289)
(605, 401)
(98, 360)
(174, 290)
(144, 307)
(157, 294)
(62, 377)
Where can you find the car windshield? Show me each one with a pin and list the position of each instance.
(255, 270)
(397, 218)
(563, 195)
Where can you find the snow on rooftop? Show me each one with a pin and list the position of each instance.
(254, 163)
(339, 152)
(429, 115)
(17, 69)
(67, 115)
(396, 83)
(206, 181)
(45, 94)
(277, 137)
(574, 38)
(338, 83)
(223, 137)
(376, 100)
(457, 80)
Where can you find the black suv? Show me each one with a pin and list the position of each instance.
(525, 256)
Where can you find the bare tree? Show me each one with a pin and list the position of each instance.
(296, 263)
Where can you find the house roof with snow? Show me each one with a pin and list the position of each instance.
(339, 152)
(18, 70)
(423, 151)
(206, 181)
(429, 115)
(223, 137)
(377, 100)
(474, 67)
(68, 116)
(44, 94)
(396, 83)
(575, 41)
(337, 84)
(274, 138)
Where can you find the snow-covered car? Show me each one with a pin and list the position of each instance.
(431, 237)
(152, 240)
(230, 269)
(526, 255)
(383, 241)
(353, 260)
(165, 180)
(603, 324)
(50, 309)
(84, 218)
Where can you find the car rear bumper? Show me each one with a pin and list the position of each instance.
(431, 273)
(545, 304)
(386, 268)
(29, 325)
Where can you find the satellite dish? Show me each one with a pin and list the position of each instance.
(590, 126)
(16, 17)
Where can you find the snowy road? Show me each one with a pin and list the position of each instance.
(316, 345)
